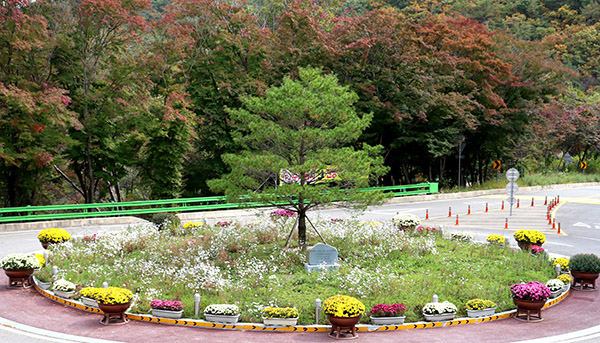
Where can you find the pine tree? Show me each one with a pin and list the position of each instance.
(302, 129)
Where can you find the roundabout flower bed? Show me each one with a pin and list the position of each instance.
(247, 266)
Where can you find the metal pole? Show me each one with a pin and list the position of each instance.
(317, 310)
(196, 304)
(512, 185)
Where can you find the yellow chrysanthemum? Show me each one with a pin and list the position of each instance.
(53, 235)
(343, 306)
(564, 263)
(114, 295)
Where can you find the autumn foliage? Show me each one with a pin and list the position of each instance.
(114, 100)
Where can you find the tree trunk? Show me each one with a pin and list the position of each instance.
(301, 222)
(302, 229)
(442, 168)
(12, 182)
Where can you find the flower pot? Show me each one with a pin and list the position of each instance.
(529, 304)
(41, 284)
(167, 313)
(114, 314)
(528, 310)
(406, 227)
(486, 312)
(586, 281)
(343, 327)
(554, 294)
(524, 246)
(219, 318)
(114, 308)
(45, 245)
(439, 317)
(280, 321)
(566, 287)
(19, 278)
(89, 302)
(63, 294)
(19, 274)
(399, 320)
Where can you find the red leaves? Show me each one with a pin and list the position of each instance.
(42, 159)
(37, 128)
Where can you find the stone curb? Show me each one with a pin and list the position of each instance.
(40, 225)
(298, 328)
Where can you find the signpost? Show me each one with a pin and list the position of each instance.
(583, 166)
(567, 159)
(511, 188)
(497, 164)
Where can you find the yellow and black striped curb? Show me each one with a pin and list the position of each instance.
(297, 328)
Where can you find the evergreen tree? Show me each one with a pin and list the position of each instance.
(301, 129)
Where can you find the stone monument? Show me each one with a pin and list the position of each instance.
(322, 257)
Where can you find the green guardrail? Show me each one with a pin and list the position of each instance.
(51, 212)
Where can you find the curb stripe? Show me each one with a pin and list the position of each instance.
(305, 328)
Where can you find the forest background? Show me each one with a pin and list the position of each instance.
(113, 100)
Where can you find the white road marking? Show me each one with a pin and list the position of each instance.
(563, 244)
(587, 226)
(589, 238)
(589, 334)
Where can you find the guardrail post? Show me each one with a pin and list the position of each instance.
(433, 187)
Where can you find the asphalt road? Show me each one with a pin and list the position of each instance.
(578, 213)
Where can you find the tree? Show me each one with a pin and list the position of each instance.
(97, 61)
(217, 53)
(303, 127)
(33, 110)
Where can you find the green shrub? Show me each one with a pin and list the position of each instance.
(166, 221)
(586, 263)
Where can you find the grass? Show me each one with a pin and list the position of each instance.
(247, 265)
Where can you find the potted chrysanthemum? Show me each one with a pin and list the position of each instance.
(406, 221)
(530, 296)
(63, 288)
(19, 267)
(89, 296)
(496, 240)
(53, 236)
(383, 314)
(114, 301)
(563, 263)
(172, 309)
(436, 311)
(222, 313)
(555, 286)
(280, 316)
(480, 308)
(343, 312)
(527, 238)
(43, 278)
(566, 279)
